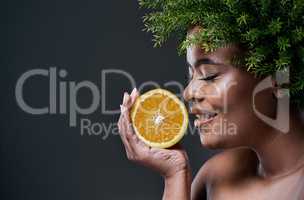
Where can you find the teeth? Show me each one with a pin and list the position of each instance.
(206, 115)
(209, 115)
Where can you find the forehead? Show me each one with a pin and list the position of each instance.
(221, 55)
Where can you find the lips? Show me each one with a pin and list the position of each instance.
(204, 118)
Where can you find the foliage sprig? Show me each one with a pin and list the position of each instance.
(271, 30)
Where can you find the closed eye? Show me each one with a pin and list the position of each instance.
(209, 78)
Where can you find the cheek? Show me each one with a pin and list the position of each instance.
(239, 106)
(234, 98)
(221, 92)
(238, 92)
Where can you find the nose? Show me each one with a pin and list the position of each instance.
(194, 92)
(187, 94)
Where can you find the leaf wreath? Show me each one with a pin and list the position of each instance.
(271, 30)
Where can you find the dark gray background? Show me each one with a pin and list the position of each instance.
(41, 156)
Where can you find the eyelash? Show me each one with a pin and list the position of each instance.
(209, 78)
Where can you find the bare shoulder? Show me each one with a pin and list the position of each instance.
(226, 166)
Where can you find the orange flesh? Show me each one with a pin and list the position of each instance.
(159, 118)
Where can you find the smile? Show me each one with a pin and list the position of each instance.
(205, 118)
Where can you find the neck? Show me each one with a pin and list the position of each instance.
(281, 153)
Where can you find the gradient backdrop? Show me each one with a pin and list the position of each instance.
(42, 157)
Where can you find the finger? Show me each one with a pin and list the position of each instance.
(139, 148)
(133, 151)
(134, 95)
(136, 142)
(126, 144)
(125, 98)
(122, 132)
(127, 131)
(136, 146)
(155, 150)
(125, 119)
(127, 104)
(123, 137)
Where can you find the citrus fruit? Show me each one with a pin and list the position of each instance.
(159, 118)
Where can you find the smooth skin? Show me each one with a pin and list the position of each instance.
(258, 162)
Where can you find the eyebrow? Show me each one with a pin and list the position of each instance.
(203, 61)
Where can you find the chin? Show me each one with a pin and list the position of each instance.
(211, 140)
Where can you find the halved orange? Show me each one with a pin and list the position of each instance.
(159, 118)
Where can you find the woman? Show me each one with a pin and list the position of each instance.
(258, 162)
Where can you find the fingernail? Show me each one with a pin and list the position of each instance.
(125, 98)
(133, 91)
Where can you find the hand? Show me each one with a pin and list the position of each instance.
(167, 162)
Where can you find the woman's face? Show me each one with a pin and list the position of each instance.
(220, 97)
